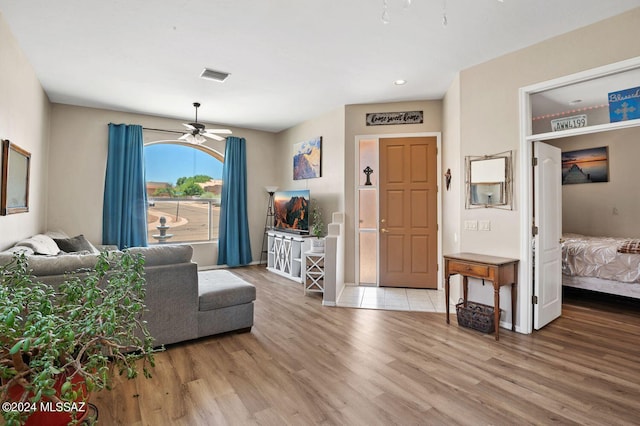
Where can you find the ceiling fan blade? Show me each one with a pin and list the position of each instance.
(188, 126)
(212, 136)
(187, 137)
(221, 131)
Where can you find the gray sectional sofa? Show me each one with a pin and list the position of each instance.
(179, 306)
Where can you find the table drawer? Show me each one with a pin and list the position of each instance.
(480, 271)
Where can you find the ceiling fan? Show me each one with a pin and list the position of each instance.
(197, 131)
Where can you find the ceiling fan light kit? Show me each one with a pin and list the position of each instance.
(198, 133)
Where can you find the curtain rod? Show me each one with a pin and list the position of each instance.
(163, 130)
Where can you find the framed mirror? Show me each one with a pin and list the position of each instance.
(489, 181)
(14, 179)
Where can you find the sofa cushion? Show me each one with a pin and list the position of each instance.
(40, 244)
(61, 264)
(220, 289)
(165, 254)
(76, 244)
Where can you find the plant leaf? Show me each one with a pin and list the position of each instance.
(14, 350)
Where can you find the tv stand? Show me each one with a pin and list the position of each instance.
(285, 253)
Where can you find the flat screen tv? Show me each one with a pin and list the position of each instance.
(291, 211)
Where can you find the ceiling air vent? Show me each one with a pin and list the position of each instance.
(214, 75)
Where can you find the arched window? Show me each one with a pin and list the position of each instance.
(184, 184)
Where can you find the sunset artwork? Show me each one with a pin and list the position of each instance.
(585, 166)
(306, 159)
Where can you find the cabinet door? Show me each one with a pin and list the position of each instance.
(277, 254)
(286, 254)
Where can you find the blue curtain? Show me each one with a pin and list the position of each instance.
(124, 215)
(234, 247)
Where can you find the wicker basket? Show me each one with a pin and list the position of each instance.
(476, 315)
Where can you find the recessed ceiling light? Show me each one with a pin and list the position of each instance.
(400, 82)
(575, 101)
(214, 75)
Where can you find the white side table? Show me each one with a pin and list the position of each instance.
(314, 272)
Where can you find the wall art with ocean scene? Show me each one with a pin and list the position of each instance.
(585, 166)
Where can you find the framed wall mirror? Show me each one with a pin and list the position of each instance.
(14, 179)
(489, 181)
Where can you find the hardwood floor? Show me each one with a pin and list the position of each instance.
(305, 364)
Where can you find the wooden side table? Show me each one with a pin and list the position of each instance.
(499, 270)
(314, 272)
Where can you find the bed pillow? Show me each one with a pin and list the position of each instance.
(630, 246)
(40, 244)
(75, 244)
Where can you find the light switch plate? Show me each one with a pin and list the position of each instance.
(484, 225)
(471, 225)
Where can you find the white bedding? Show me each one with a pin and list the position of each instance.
(598, 257)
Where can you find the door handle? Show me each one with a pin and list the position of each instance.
(384, 230)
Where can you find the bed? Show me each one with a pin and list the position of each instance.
(604, 264)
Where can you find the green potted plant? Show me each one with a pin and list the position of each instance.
(317, 230)
(59, 344)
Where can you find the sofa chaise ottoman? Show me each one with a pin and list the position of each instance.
(179, 307)
(225, 302)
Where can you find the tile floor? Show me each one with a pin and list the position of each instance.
(394, 299)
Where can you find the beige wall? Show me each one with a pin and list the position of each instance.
(489, 113)
(355, 125)
(79, 138)
(490, 106)
(335, 191)
(606, 208)
(453, 198)
(327, 190)
(24, 120)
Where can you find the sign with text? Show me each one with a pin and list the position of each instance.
(569, 122)
(389, 118)
(624, 105)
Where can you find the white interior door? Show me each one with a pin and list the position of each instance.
(547, 187)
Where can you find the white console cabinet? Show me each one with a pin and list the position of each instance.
(285, 254)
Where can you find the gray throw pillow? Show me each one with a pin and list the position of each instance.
(75, 244)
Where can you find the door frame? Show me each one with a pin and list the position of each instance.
(357, 171)
(525, 306)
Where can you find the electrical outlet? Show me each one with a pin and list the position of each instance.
(484, 225)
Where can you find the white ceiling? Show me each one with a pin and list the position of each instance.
(289, 60)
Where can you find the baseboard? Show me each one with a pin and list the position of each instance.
(211, 267)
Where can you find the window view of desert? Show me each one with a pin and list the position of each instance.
(188, 220)
(191, 209)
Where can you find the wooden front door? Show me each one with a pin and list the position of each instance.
(408, 212)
